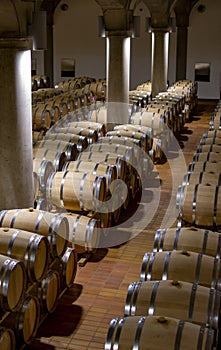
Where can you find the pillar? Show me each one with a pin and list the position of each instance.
(49, 52)
(181, 55)
(160, 51)
(118, 76)
(16, 165)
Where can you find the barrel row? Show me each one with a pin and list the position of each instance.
(179, 280)
(39, 82)
(215, 120)
(198, 197)
(38, 264)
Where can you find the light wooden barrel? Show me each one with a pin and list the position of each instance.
(212, 134)
(215, 122)
(35, 184)
(25, 321)
(68, 268)
(211, 141)
(97, 168)
(53, 226)
(76, 191)
(61, 104)
(92, 135)
(30, 248)
(141, 137)
(58, 158)
(69, 148)
(106, 158)
(182, 265)
(157, 333)
(202, 177)
(204, 166)
(7, 339)
(13, 283)
(43, 168)
(206, 156)
(99, 127)
(37, 136)
(81, 141)
(151, 120)
(200, 205)
(179, 299)
(125, 152)
(189, 239)
(41, 117)
(209, 148)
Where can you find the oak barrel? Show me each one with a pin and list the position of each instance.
(43, 169)
(12, 284)
(53, 226)
(30, 248)
(179, 299)
(157, 333)
(182, 265)
(75, 190)
(68, 268)
(200, 205)
(193, 239)
(58, 158)
(7, 339)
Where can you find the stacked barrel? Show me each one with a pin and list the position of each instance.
(37, 266)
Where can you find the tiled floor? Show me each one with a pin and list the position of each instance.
(81, 319)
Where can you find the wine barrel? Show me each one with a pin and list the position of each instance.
(182, 265)
(212, 133)
(54, 110)
(204, 166)
(7, 339)
(53, 226)
(144, 143)
(84, 233)
(99, 127)
(202, 177)
(68, 268)
(76, 191)
(25, 321)
(69, 148)
(209, 148)
(190, 239)
(215, 122)
(81, 141)
(37, 136)
(13, 283)
(91, 135)
(157, 333)
(210, 141)
(179, 299)
(43, 168)
(200, 205)
(41, 117)
(106, 158)
(106, 170)
(206, 156)
(30, 248)
(151, 120)
(47, 291)
(36, 184)
(58, 158)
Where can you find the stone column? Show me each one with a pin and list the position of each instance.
(16, 165)
(48, 54)
(181, 55)
(118, 76)
(160, 49)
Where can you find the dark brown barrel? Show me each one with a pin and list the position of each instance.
(189, 239)
(182, 265)
(7, 339)
(179, 299)
(30, 248)
(41, 117)
(13, 283)
(200, 205)
(53, 226)
(156, 333)
(25, 321)
(76, 191)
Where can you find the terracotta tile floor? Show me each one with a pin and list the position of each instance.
(81, 319)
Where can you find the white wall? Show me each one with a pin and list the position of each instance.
(76, 36)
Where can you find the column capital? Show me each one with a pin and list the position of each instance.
(118, 19)
(16, 43)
